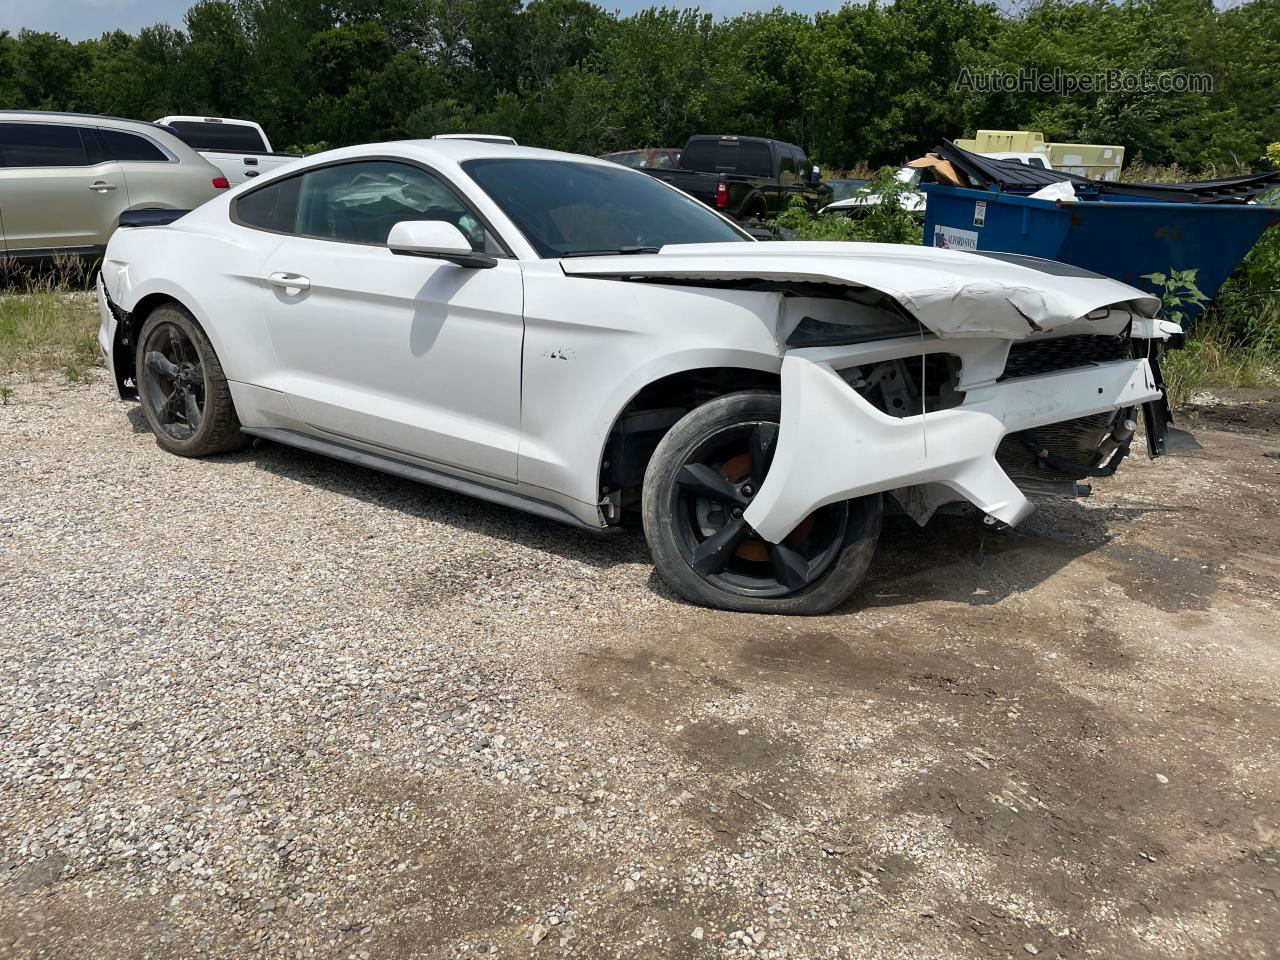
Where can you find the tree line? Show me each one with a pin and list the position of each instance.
(868, 83)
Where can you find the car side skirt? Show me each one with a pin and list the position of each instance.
(517, 497)
(88, 252)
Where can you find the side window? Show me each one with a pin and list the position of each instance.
(130, 148)
(787, 166)
(360, 203)
(273, 207)
(41, 145)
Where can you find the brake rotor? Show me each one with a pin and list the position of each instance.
(736, 470)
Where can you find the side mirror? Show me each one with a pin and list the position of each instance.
(436, 240)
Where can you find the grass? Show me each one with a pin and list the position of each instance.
(1218, 356)
(48, 322)
(1236, 341)
(1139, 171)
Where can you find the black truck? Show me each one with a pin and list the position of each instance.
(746, 178)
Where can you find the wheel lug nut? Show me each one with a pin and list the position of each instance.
(737, 513)
(748, 490)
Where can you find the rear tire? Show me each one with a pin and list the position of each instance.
(705, 470)
(184, 393)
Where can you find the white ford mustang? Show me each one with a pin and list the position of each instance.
(569, 337)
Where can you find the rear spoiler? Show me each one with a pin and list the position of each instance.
(150, 218)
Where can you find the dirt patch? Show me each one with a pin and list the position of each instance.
(1242, 409)
(345, 715)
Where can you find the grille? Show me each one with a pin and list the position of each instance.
(1076, 441)
(1029, 358)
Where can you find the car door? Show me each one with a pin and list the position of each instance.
(54, 193)
(153, 175)
(417, 356)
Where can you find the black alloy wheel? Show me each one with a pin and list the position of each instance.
(700, 481)
(185, 396)
(174, 381)
(713, 489)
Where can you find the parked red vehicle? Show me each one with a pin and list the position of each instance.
(659, 158)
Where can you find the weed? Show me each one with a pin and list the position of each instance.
(48, 321)
(1177, 290)
(883, 220)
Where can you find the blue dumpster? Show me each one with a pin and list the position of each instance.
(1116, 237)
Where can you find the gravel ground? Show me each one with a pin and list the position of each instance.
(272, 705)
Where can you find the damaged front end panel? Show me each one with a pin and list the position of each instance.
(993, 423)
(935, 375)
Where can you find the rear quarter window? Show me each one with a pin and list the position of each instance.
(273, 207)
(131, 148)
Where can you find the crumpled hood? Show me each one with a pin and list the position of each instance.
(954, 294)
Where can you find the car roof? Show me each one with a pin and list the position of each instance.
(224, 121)
(734, 136)
(459, 151)
(155, 131)
(482, 137)
(96, 119)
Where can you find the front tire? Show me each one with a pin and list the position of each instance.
(184, 393)
(700, 479)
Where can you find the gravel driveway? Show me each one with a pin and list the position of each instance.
(273, 705)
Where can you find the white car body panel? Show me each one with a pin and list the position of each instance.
(592, 345)
(913, 201)
(953, 294)
(417, 356)
(834, 445)
(510, 379)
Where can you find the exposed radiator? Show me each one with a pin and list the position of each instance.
(1072, 441)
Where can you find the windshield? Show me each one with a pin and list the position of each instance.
(563, 207)
(844, 189)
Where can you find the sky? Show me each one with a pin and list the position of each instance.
(79, 19)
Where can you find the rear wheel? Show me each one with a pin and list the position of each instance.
(702, 477)
(184, 393)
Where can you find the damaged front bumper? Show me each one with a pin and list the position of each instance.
(834, 445)
(114, 343)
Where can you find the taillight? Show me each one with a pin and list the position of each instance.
(222, 183)
(722, 195)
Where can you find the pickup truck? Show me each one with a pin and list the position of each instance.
(745, 178)
(239, 148)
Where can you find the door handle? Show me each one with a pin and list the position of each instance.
(289, 281)
(100, 186)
